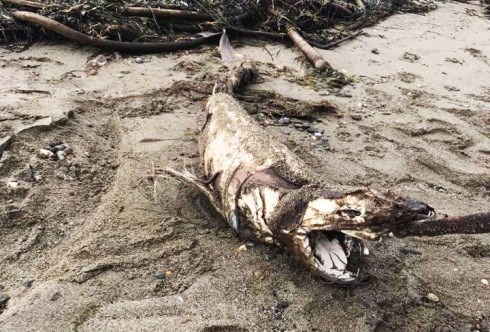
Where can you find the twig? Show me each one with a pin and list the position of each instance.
(270, 35)
(25, 3)
(111, 45)
(471, 224)
(313, 56)
(167, 14)
(31, 91)
(337, 42)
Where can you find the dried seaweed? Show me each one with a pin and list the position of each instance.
(321, 21)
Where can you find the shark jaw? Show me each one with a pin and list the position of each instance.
(331, 233)
(331, 254)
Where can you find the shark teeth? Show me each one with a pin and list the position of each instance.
(330, 255)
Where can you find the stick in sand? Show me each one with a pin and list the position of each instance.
(471, 224)
(313, 56)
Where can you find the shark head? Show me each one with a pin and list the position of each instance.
(327, 231)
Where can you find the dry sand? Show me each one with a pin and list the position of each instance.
(93, 231)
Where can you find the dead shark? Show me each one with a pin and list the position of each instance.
(267, 193)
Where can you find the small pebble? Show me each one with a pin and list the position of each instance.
(59, 147)
(485, 282)
(284, 121)
(346, 92)
(70, 114)
(12, 184)
(356, 117)
(257, 274)
(375, 51)
(45, 154)
(301, 126)
(159, 275)
(168, 273)
(432, 297)
(282, 304)
(28, 283)
(139, 60)
(61, 155)
(410, 56)
(313, 130)
(241, 248)
(360, 105)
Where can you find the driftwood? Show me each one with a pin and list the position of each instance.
(171, 14)
(24, 3)
(313, 56)
(471, 224)
(124, 47)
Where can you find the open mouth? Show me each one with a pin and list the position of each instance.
(335, 255)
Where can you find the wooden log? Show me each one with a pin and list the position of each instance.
(111, 45)
(313, 56)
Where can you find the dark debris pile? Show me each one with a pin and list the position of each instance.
(321, 21)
